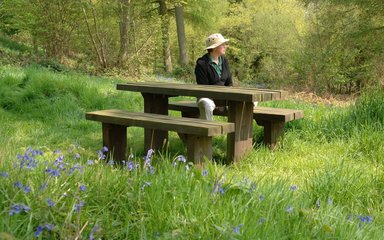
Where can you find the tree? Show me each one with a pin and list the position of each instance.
(183, 51)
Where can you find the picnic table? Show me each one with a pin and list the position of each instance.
(239, 101)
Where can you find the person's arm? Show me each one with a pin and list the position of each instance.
(201, 74)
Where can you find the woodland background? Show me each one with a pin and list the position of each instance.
(332, 46)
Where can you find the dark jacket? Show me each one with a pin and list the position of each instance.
(205, 74)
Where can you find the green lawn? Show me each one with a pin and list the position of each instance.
(325, 180)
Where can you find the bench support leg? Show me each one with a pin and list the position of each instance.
(115, 138)
(194, 114)
(239, 143)
(155, 103)
(272, 132)
(198, 148)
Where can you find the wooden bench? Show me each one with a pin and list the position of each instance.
(198, 133)
(272, 119)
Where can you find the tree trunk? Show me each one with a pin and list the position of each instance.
(124, 30)
(181, 35)
(163, 12)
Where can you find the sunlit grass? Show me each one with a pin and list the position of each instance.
(324, 180)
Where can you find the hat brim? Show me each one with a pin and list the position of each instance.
(217, 44)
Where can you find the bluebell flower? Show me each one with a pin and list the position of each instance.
(261, 221)
(82, 188)
(205, 173)
(130, 165)
(41, 228)
(50, 202)
(78, 206)
(53, 172)
(237, 228)
(28, 160)
(101, 155)
(4, 174)
(329, 201)
(90, 162)
(105, 149)
(289, 209)
(27, 189)
(151, 170)
(111, 163)
(261, 197)
(366, 219)
(74, 168)
(293, 187)
(17, 208)
(252, 187)
(18, 185)
(77, 156)
(94, 229)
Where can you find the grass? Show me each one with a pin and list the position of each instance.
(324, 181)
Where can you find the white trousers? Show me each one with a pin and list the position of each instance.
(206, 107)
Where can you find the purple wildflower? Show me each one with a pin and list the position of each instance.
(77, 156)
(261, 197)
(18, 185)
(205, 173)
(53, 172)
(17, 208)
(4, 174)
(41, 228)
(252, 187)
(94, 229)
(366, 219)
(111, 163)
(237, 228)
(28, 160)
(78, 206)
(130, 165)
(151, 170)
(90, 162)
(82, 188)
(50, 202)
(27, 189)
(57, 151)
(105, 149)
(101, 154)
(293, 188)
(77, 167)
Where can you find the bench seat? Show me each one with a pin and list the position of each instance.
(197, 133)
(272, 119)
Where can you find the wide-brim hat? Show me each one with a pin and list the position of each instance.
(215, 40)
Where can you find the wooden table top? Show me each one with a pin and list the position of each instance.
(210, 91)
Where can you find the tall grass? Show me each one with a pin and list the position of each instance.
(325, 179)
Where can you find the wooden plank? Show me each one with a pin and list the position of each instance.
(115, 138)
(240, 142)
(163, 122)
(199, 148)
(194, 90)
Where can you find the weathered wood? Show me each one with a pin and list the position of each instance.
(272, 132)
(115, 138)
(199, 148)
(153, 138)
(162, 122)
(198, 132)
(272, 119)
(240, 142)
(193, 90)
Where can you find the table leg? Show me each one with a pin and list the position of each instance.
(115, 139)
(239, 143)
(155, 103)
